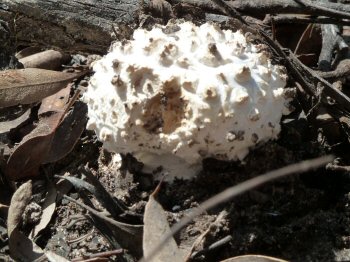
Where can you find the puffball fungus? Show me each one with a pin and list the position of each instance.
(180, 93)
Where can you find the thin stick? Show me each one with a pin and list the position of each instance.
(123, 226)
(231, 192)
(100, 254)
(302, 19)
(325, 10)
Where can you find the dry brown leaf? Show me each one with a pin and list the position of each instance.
(68, 133)
(31, 50)
(35, 147)
(23, 249)
(19, 201)
(8, 125)
(253, 258)
(56, 102)
(48, 208)
(53, 257)
(155, 227)
(49, 59)
(25, 86)
(30, 153)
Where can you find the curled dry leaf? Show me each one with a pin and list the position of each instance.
(8, 125)
(49, 59)
(31, 50)
(30, 153)
(19, 201)
(68, 133)
(35, 148)
(155, 227)
(23, 249)
(25, 86)
(253, 258)
(48, 207)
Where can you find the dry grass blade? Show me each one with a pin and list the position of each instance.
(231, 192)
(26, 86)
(105, 254)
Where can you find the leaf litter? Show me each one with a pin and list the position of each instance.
(35, 147)
(169, 196)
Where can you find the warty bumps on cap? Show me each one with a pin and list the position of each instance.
(180, 93)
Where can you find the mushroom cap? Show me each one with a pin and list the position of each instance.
(187, 93)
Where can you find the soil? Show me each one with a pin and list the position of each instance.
(299, 218)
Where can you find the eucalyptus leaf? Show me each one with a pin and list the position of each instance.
(26, 86)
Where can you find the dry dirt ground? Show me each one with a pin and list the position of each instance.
(300, 218)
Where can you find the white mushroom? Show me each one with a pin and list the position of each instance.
(180, 93)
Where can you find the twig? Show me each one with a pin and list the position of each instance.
(334, 167)
(323, 10)
(329, 90)
(199, 240)
(231, 192)
(100, 254)
(212, 247)
(342, 70)
(263, 7)
(81, 238)
(120, 225)
(299, 71)
(307, 30)
(330, 41)
(301, 19)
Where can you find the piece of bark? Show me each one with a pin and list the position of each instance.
(7, 50)
(70, 25)
(331, 40)
(302, 19)
(262, 7)
(88, 25)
